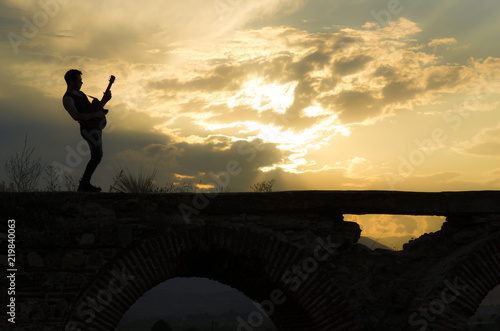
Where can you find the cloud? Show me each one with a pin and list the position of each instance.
(129, 30)
(446, 181)
(357, 106)
(350, 65)
(485, 143)
(445, 78)
(198, 83)
(386, 71)
(401, 91)
(442, 41)
(271, 80)
(493, 178)
(208, 161)
(383, 226)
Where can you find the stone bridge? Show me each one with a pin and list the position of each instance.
(82, 260)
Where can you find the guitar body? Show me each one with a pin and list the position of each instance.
(96, 123)
(99, 123)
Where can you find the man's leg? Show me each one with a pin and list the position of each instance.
(94, 139)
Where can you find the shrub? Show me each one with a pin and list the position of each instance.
(264, 186)
(23, 171)
(128, 182)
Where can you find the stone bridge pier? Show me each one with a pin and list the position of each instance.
(82, 260)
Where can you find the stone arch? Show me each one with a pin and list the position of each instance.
(251, 261)
(463, 286)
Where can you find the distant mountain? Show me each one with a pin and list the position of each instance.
(396, 243)
(371, 243)
(392, 243)
(178, 303)
(485, 318)
(175, 306)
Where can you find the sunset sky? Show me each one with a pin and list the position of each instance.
(318, 94)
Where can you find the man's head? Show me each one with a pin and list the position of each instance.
(73, 79)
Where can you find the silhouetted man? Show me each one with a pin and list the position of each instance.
(82, 110)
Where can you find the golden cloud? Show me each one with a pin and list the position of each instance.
(485, 143)
(442, 41)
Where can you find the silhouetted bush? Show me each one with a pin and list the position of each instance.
(264, 186)
(23, 171)
(128, 182)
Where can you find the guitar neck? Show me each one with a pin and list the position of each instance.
(109, 87)
(111, 81)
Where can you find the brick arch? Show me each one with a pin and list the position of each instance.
(463, 287)
(250, 261)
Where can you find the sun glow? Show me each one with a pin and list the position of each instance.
(313, 111)
(261, 96)
(296, 142)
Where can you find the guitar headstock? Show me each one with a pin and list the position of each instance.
(111, 79)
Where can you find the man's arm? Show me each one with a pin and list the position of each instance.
(69, 105)
(105, 98)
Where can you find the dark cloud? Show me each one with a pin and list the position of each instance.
(315, 61)
(275, 70)
(328, 53)
(206, 161)
(351, 65)
(154, 150)
(223, 77)
(26, 110)
(202, 84)
(357, 106)
(385, 71)
(444, 77)
(400, 91)
(345, 41)
(302, 97)
(327, 84)
(491, 148)
(405, 224)
(485, 143)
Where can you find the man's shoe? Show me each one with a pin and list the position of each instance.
(87, 187)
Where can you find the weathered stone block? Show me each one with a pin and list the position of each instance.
(34, 259)
(74, 259)
(87, 239)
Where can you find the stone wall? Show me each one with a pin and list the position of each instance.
(83, 259)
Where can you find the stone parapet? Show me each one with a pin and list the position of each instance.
(83, 259)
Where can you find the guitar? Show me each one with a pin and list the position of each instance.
(99, 123)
